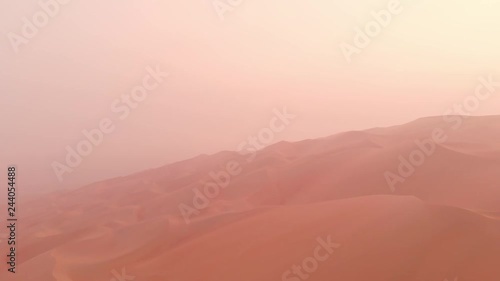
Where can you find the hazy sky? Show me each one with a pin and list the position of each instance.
(226, 75)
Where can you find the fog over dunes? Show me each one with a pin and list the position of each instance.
(226, 75)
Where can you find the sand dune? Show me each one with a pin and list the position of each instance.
(442, 222)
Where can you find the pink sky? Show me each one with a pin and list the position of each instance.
(226, 77)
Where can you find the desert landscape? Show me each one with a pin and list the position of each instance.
(318, 209)
(233, 140)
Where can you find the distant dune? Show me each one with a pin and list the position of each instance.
(442, 222)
